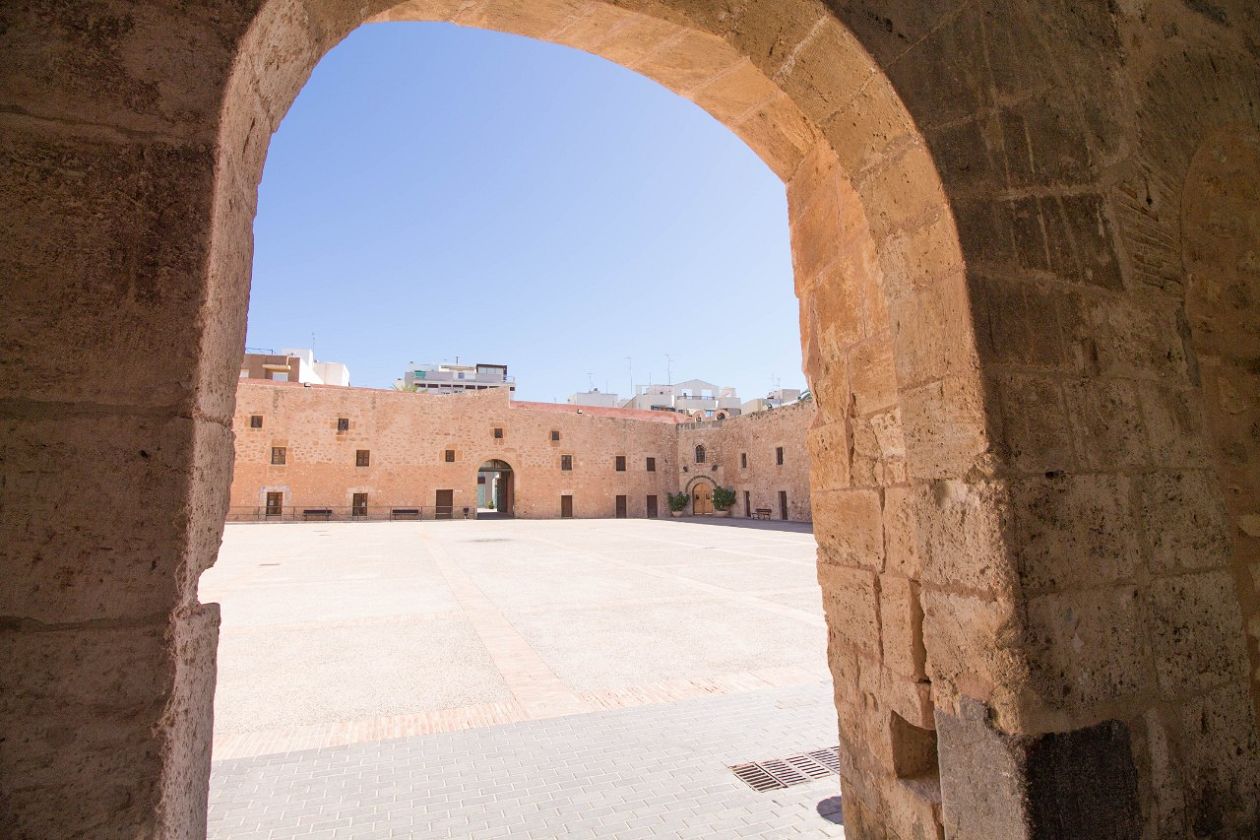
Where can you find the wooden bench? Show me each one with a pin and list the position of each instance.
(762, 513)
(317, 513)
(404, 513)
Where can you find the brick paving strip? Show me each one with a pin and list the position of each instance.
(657, 771)
(342, 733)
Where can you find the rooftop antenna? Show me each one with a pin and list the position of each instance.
(590, 380)
(630, 368)
(669, 369)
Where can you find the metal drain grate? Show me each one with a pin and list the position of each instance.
(780, 773)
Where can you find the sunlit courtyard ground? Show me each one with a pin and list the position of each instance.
(584, 678)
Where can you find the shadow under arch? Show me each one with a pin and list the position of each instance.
(888, 344)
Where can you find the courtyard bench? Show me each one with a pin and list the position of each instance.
(762, 513)
(404, 513)
(317, 513)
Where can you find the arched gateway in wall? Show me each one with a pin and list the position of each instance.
(980, 198)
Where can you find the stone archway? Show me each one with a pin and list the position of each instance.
(990, 321)
(700, 492)
(496, 489)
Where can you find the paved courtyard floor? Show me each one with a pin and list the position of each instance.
(577, 678)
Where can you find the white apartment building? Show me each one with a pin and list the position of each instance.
(292, 365)
(594, 398)
(695, 397)
(446, 378)
(775, 399)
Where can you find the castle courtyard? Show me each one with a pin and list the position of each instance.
(561, 677)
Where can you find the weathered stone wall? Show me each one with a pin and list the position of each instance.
(1033, 556)
(407, 436)
(755, 436)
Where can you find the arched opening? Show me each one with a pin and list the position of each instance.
(700, 491)
(851, 277)
(496, 494)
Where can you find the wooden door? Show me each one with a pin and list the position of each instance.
(783, 510)
(275, 504)
(651, 507)
(621, 507)
(702, 499)
(747, 504)
(444, 504)
(566, 507)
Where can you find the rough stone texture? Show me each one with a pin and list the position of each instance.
(1024, 237)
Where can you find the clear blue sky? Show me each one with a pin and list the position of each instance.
(437, 191)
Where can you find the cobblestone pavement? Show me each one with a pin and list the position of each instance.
(658, 771)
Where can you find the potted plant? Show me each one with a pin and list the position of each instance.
(723, 501)
(677, 504)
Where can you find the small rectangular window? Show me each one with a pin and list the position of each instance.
(778, 455)
(555, 435)
(358, 507)
(277, 455)
(362, 458)
(255, 421)
(651, 465)
(566, 462)
(343, 424)
(621, 463)
(498, 433)
(450, 456)
(743, 460)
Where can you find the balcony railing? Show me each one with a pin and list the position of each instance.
(348, 513)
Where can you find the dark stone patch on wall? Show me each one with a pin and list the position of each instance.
(1083, 784)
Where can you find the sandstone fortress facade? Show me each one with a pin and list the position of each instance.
(1023, 238)
(396, 451)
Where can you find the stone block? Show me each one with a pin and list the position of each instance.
(872, 376)
(79, 708)
(111, 244)
(127, 554)
(901, 626)
(947, 428)
(901, 530)
(972, 646)
(1221, 755)
(733, 95)
(851, 603)
(994, 786)
(1086, 648)
(779, 134)
(1175, 422)
(829, 457)
(931, 336)
(1138, 340)
(689, 61)
(1035, 424)
(1185, 521)
(1196, 631)
(962, 536)
(1106, 423)
(1074, 531)
(849, 528)
(139, 67)
(1080, 240)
